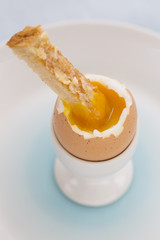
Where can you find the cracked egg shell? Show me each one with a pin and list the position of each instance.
(98, 146)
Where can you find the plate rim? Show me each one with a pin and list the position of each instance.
(112, 23)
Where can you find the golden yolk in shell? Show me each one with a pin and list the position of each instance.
(106, 111)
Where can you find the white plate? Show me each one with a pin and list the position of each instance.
(31, 206)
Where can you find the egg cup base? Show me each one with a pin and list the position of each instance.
(93, 191)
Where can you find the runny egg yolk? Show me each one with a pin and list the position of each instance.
(106, 111)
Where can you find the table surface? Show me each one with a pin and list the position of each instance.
(14, 15)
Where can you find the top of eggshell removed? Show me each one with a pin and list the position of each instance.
(118, 87)
(98, 146)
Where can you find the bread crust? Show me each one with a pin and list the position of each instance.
(25, 37)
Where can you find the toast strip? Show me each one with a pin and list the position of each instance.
(32, 45)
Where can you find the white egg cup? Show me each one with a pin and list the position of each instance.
(93, 183)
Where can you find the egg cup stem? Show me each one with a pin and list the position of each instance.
(93, 191)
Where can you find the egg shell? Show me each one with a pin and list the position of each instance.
(96, 148)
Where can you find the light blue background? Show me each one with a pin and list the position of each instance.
(15, 14)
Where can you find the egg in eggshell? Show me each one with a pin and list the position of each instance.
(98, 145)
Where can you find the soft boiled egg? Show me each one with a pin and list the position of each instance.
(87, 138)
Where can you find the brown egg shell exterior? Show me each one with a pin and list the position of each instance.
(96, 148)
